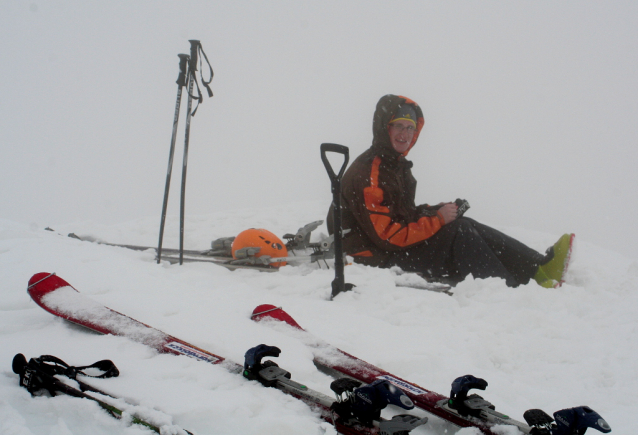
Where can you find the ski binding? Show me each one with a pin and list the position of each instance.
(356, 405)
(571, 421)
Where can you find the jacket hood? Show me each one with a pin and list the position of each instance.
(387, 107)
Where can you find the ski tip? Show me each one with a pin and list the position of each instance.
(43, 283)
(267, 311)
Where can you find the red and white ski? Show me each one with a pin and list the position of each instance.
(59, 298)
(468, 411)
(338, 363)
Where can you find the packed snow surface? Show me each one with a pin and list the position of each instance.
(537, 347)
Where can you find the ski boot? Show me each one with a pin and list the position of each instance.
(551, 274)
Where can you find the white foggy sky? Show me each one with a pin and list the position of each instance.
(531, 107)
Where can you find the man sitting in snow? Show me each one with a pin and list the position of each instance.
(387, 228)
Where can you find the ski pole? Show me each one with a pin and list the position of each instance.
(338, 284)
(192, 67)
(181, 82)
(196, 48)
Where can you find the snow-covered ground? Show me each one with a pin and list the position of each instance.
(545, 348)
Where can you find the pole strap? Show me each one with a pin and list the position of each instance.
(198, 52)
(55, 366)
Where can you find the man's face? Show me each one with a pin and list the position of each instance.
(401, 134)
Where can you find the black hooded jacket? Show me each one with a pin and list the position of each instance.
(378, 192)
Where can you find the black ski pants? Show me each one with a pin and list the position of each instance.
(465, 247)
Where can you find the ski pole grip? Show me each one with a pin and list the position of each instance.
(183, 61)
(334, 148)
(195, 44)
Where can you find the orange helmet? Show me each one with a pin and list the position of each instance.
(259, 238)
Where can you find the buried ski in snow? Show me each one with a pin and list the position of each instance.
(460, 409)
(247, 251)
(250, 257)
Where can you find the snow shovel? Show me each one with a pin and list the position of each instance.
(338, 284)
